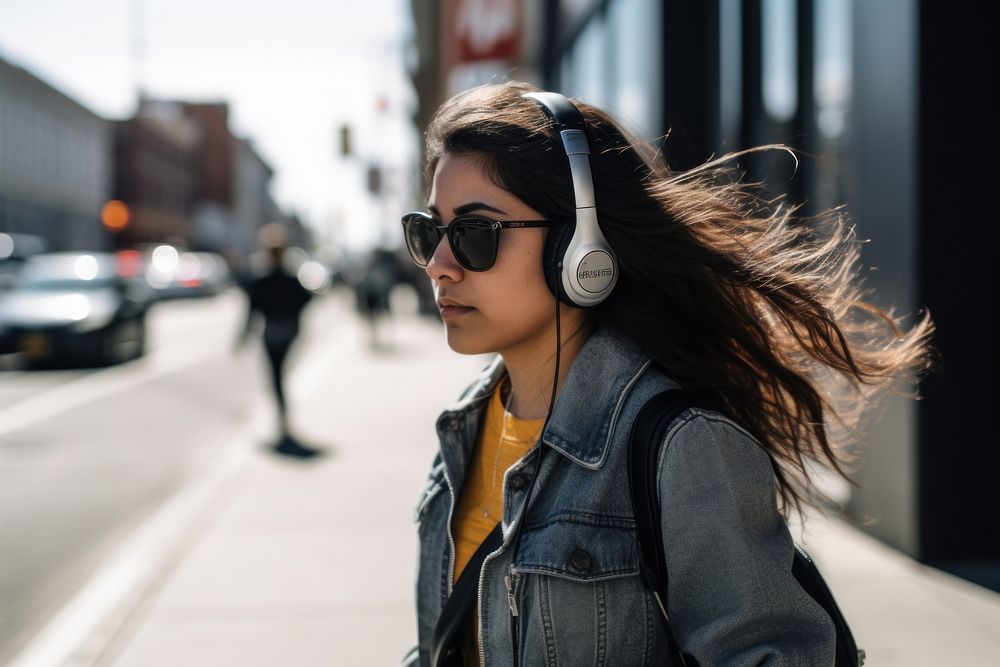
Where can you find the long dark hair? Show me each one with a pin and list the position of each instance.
(754, 309)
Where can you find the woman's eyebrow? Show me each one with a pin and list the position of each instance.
(476, 206)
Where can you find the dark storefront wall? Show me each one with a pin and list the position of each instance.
(959, 452)
(882, 197)
(887, 102)
(921, 175)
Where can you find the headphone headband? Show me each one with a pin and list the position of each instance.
(585, 269)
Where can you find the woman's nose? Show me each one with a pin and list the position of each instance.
(443, 265)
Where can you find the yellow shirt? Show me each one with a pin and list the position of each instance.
(503, 440)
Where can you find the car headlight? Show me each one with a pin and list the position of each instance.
(92, 322)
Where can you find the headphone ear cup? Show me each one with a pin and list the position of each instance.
(556, 242)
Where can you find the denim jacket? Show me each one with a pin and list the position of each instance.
(572, 593)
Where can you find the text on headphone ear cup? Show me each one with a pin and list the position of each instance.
(556, 242)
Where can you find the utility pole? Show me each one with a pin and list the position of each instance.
(138, 47)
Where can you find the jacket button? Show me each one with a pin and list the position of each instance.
(580, 559)
(453, 424)
(518, 482)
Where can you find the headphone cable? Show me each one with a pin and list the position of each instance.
(541, 443)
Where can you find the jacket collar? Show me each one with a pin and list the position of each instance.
(589, 404)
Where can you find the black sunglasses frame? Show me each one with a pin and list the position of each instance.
(452, 229)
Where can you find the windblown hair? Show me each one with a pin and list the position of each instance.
(757, 311)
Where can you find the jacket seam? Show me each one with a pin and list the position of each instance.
(585, 519)
(535, 568)
(687, 417)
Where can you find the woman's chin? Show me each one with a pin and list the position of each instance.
(462, 342)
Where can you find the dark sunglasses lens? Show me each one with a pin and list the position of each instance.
(474, 243)
(421, 238)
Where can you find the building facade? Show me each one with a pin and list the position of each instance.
(155, 174)
(182, 174)
(252, 204)
(188, 180)
(55, 163)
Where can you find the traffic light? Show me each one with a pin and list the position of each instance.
(115, 215)
(345, 140)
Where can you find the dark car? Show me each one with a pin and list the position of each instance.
(74, 306)
(15, 249)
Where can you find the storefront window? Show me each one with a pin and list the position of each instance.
(833, 66)
(616, 63)
(780, 46)
(730, 73)
(588, 63)
(832, 95)
(637, 68)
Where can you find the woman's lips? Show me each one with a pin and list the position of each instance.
(451, 311)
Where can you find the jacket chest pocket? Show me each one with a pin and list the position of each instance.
(580, 598)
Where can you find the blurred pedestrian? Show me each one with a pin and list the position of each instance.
(601, 278)
(372, 293)
(278, 298)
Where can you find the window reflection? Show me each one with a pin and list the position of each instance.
(616, 63)
(730, 73)
(588, 63)
(832, 74)
(780, 46)
(637, 71)
(832, 95)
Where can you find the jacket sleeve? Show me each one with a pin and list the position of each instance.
(732, 597)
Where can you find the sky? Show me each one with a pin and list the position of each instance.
(293, 72)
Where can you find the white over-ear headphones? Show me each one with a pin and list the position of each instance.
(580, 266)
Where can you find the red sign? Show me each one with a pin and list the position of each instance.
(486, 29)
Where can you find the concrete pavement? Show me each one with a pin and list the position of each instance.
(278, 561)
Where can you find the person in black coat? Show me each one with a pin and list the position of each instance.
(279, 298)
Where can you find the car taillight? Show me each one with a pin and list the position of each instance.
(128, 263)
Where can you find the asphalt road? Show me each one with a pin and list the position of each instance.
(86, 455)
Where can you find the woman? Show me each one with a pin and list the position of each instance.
(684, 279)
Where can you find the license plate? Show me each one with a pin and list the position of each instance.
(36, 346)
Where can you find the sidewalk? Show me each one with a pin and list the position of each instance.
(312, 562)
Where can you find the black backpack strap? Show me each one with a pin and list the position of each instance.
(446, 640)
(648, 431)
(808, 575)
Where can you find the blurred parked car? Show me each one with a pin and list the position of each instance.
(174, 274)
(74, 306)
(15, 249)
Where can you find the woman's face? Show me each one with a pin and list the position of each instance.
(508, 308)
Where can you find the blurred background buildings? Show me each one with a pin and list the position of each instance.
(56, 165)
(887, 103)
(175, 171)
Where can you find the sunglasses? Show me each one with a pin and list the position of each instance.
(474, 239)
